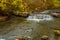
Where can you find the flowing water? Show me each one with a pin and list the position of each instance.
(40, 17)
(33, 27)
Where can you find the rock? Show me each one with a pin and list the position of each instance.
(55, 14)
(56, 32)
(3, 18)
(20, 38)
(44, 37)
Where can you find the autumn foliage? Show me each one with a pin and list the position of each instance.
(18, 7)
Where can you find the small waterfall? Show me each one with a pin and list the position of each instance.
(40, 17)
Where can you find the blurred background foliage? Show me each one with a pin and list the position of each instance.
(56, 3)
(17, 7)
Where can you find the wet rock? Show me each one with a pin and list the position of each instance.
(3, 18)
(55, 14)
(44, 37)
(20, 38)
(57, 32)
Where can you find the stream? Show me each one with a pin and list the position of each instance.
(32, 27)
